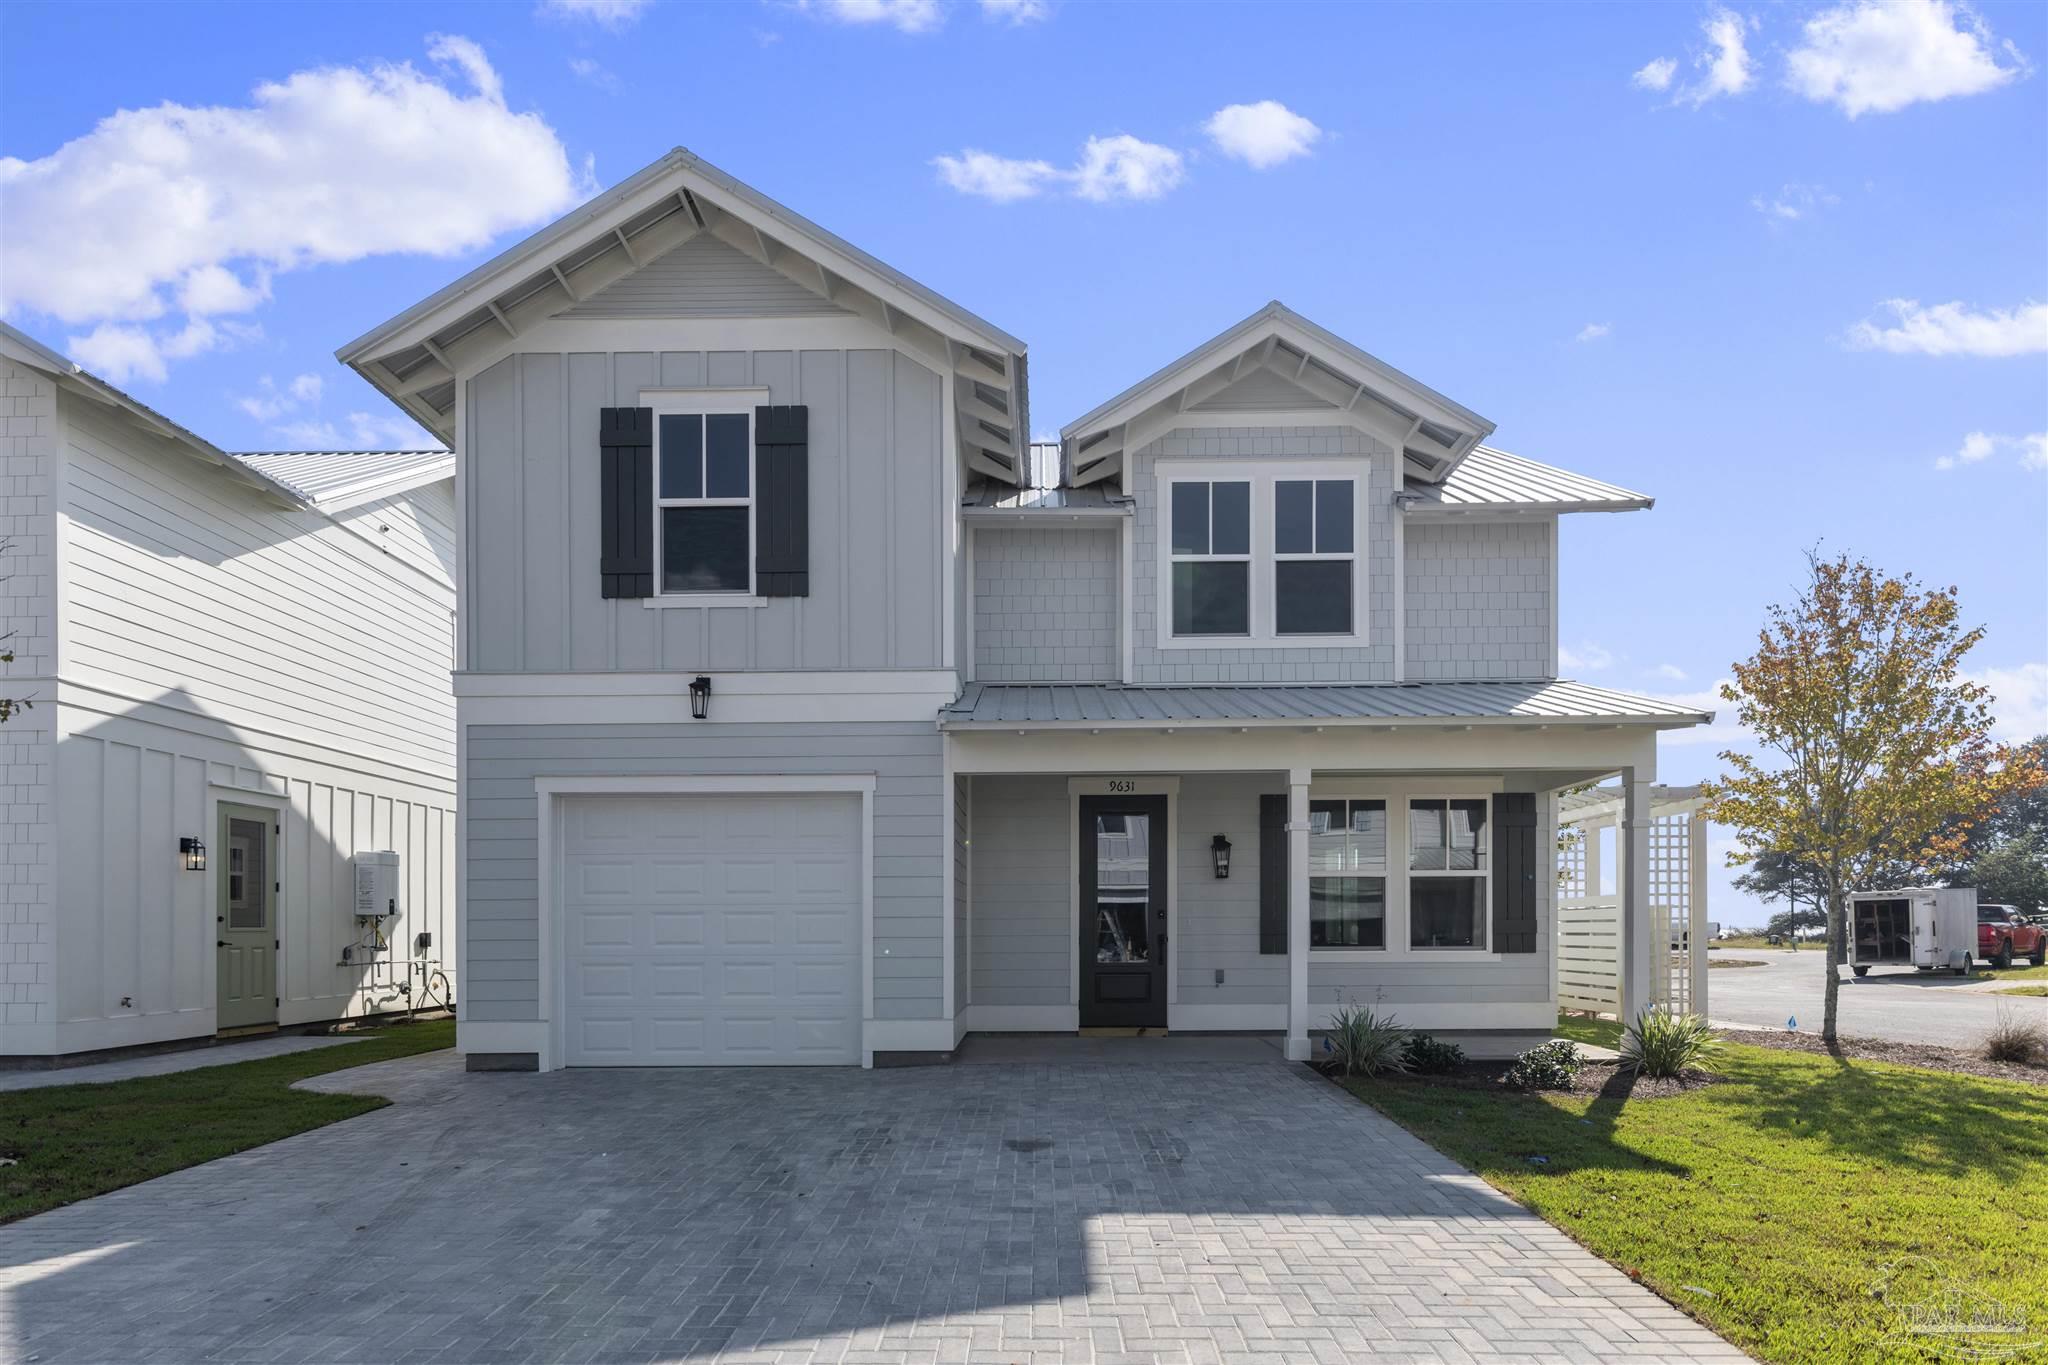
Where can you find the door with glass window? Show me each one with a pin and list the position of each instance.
(245, 925)
(1123, 912)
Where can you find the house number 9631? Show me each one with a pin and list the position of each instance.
(1119, 786)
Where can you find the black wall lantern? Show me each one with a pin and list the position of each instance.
(1219, 850)
(700, 697)
(194, 853)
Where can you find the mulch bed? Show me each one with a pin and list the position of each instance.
(1604, 1079)
(1923, 1055)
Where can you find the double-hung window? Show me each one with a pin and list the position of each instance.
(1347, 874)
(704, 502)
(1448, 877)
(1212, 557)
(1312, 550)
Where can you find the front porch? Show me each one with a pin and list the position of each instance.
(1297, 866)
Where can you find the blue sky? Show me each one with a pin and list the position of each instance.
(1783, 266)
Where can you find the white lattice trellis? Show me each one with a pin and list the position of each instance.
(1589, 919)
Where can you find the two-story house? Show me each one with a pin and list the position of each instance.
(808, 712)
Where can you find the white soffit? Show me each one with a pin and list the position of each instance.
(1277, 343)
(414, 358)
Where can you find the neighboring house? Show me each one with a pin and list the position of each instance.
(249, 651)
(981, 721)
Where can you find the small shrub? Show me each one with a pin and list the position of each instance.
(2016, 1037)
(1549, 1066)
(1667, 1046)
(1431, 1056)
(1361, 1043)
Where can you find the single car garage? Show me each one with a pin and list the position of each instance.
(709, 928)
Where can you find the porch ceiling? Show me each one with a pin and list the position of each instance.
(1065, 706)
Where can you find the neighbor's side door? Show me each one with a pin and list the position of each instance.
(245, 926)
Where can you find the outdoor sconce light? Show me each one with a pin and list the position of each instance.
(1219, 850)
(700, 697)
(194, 852)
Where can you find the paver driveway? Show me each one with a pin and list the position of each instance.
(1093, 1212)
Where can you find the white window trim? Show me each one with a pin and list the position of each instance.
(1484, 947)
(1397, 793)
(705, 403)
(1261, 475)
(1211, 555)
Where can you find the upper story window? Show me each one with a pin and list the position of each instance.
(1212, 554)
(1265, 556)
(704, 506)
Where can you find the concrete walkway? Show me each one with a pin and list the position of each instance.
(1186, 1214)
(164, 1063)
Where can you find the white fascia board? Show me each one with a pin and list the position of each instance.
(1569, 753)
(1672, 721)
(1504, 511)
(371, 489)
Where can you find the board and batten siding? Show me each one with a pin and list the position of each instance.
(879, 529)
(1046, 605)
(1478, 599)
(1372, 661)
(502, 887)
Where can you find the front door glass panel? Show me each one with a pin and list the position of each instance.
(1123, 888)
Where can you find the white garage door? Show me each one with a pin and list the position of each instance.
(712, 930)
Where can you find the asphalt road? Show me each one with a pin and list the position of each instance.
(1900, 1005)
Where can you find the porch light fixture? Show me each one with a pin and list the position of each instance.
(1219, 851)
(700, 697)
(194, 853)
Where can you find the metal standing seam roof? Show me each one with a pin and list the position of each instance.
(1111, 705)
(330, 478)
(1494, 478)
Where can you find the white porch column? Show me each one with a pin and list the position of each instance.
(1640, 949)
(1297, 915)
(1696, 903)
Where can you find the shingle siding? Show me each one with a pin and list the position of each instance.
(1478, 600)
(1371, 662)
(28, 939)
(1045, 604)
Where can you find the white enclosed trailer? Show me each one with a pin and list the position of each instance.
(1920, 926)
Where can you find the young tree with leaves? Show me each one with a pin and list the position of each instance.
(1881, 751)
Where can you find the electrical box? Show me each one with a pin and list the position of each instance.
(377, 885)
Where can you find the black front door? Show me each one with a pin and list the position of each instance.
(1123, 912)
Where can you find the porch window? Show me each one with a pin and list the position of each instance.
(1347, 861)
(1448, 875)
(1212, 557)
(704, 501)
(1312, 548)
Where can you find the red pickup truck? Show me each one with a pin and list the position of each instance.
(2002, 935)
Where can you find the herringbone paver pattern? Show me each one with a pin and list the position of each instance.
(1086, 1213)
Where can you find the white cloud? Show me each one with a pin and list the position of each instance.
(1725, 62)
(270, 401)
(1722, 732)
(905, 16)
(1118, 167)
(1125, 167)
(611, 14)
(998, 178)
(594, 73)
(1878, 56)
(357, 431)
(1980, 446)
(1015, 11)
(1593, 331)
(1261, 135)
(1952, 329)
(195, 210)
(1587, 658)
(2020, 700)
(1668, 672)
(1794, 202)
(1655, 75)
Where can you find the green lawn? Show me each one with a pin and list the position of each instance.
(1784, 1192)
(1985, 973)
(2022, 990)
(75, 1141)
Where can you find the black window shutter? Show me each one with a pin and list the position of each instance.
(625, 443)
(1272, 874)
(782, 501)
(1514, 872)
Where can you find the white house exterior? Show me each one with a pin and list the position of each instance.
(981, 716)
(247, 651)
